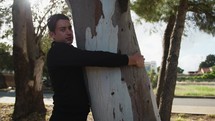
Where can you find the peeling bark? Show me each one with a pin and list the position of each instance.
(115, 93)
(28, 63)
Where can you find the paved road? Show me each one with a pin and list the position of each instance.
(194, 105)
(180, 105)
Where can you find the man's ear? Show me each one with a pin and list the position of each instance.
(52, 35)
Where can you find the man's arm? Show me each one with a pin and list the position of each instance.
(65, 55)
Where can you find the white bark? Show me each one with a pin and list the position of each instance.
(109, 96)
(117, 94)
(105, 84)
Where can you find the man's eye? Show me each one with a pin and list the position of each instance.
(63, 30)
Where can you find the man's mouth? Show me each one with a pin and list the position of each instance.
(69, 38)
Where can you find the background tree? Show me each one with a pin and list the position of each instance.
(6, 59)
(6, 18)
(29, 57)
(28, 61)
(172, 63)
(180, 70)
(209, 62)
(160, 11)
(153, 78)
(40, 13)
(116, 94)
(166, 46)
(213, 68)
(201, 13)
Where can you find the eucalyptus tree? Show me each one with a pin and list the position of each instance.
(28, 30)
(117, 93)
(200, 12)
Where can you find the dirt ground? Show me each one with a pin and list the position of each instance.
(6, 111)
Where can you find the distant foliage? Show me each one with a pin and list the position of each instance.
(6, 59)
(204, 77)
(209, 62)
(153, 77)
(180, 70)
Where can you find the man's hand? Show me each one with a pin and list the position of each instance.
(137, 60)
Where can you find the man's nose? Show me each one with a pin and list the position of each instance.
(68, 31)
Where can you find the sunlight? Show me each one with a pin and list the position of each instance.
(40, 3)
(33, 2)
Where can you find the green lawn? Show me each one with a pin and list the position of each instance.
(195, 90)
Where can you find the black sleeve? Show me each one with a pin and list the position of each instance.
(63, 55)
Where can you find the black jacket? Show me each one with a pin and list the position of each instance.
(65, 64)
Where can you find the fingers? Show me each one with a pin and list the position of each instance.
(140, 63)
(137, 60)
(140, 60)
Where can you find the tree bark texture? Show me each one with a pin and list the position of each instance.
(165, 43)
(117, 94)
(172, 63)
(28, 63)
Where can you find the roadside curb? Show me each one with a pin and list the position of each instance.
(48, 91)
(206, 97)
(13, 90)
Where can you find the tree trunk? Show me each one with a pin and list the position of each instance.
(116, 93)
(28, 63)
(172, 63)
(166, 43)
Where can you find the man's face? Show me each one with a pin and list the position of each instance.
(63, 32)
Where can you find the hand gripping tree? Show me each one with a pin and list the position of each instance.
(117, 94)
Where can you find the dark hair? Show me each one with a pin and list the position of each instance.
(52, 21)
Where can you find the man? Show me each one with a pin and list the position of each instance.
(65, 64)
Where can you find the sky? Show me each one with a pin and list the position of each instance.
(194, 47)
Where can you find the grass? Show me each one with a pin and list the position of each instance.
(195, 90)
(190, 89)
(6, 111)
(192, 117)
